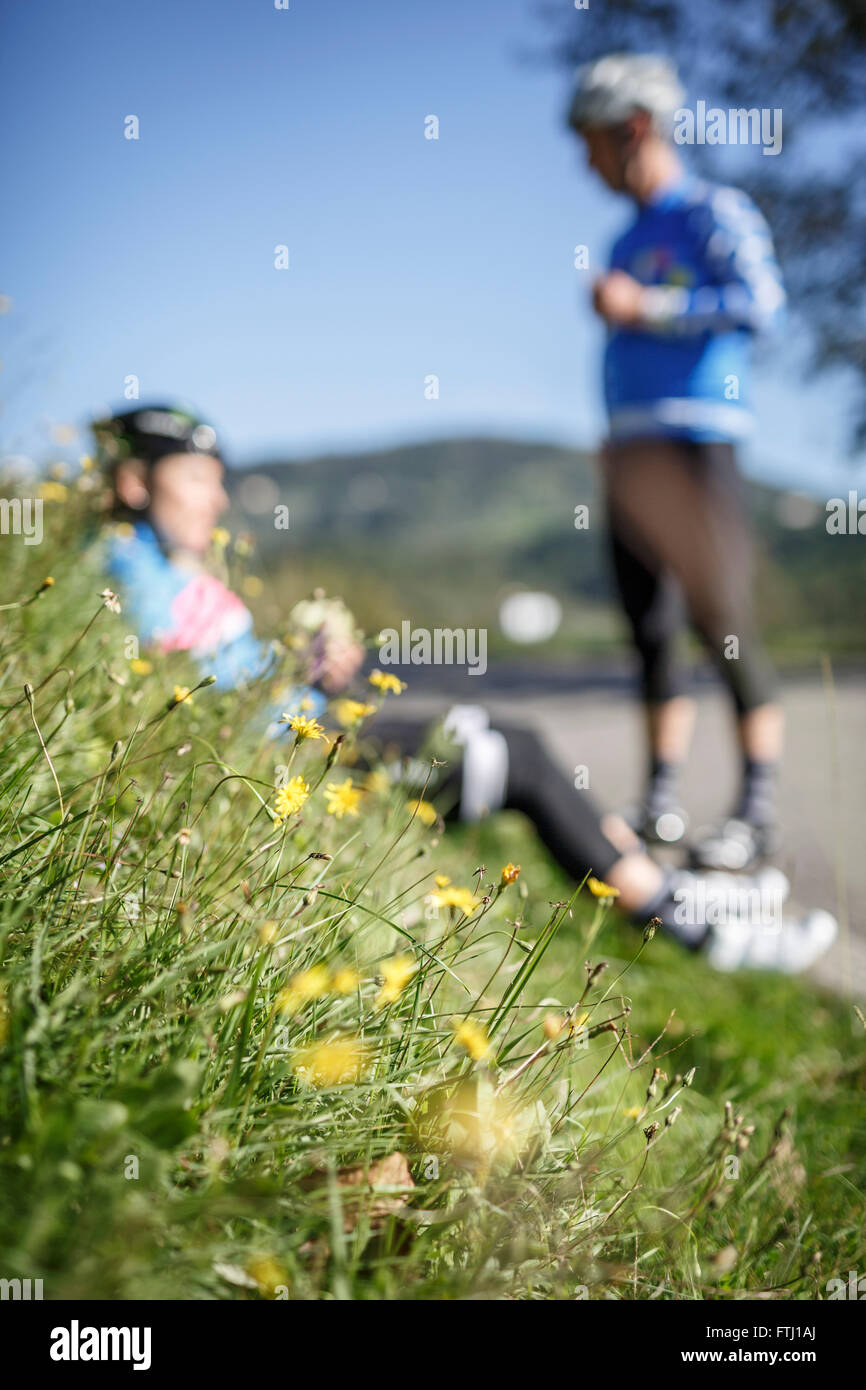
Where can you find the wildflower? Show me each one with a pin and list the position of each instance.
(243, 546)
(266, 931)
(220, 537)
(348, 713)
(377, 782)
(342, 798)
(633, 1112)
(111, 601)
(424, 810)
(472, 1037)
(510, 874)
(346, 980)
(396, 973)
(302, 727)
(140, 667)
(181, 694)
(460, 898)
(52, 492)
(303, 988)
(334, 1062)
(599, 889)
(47, 583)
(384, 681)
(289, 799)
(268, 1274)
(86, 463)
(442, 880)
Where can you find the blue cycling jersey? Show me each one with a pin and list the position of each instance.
(706, 255)
(176, 609)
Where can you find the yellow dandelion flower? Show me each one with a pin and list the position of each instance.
(140, 667)
(378, 782)
(338, 1060)
(86, 463)
(348, 713)
(181, 695)
(48, 582)
(510, 874)
(442, 880)
(268, 1274)
(424, 810)
(396, 973)
(599, 889)
(220, 537)
(384, 681)
(289, 799)
(460, 898)
(346, 980)
(52, 492)
(472, 1037)
(342, 798)
(633, 1112)
(303, 988)
(303, 727)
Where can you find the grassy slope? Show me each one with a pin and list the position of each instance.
(769, 1045)
(138, 998)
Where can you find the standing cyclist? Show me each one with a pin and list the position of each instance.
(692, 281)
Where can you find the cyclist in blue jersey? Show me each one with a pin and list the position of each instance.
(692, 281)
(165, 472)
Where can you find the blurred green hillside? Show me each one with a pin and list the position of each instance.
(440, 532)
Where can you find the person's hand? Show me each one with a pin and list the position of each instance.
(618, 298)
(340, 665)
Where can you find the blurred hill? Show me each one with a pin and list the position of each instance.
(440, 532)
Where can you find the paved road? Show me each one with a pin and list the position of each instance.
(823, 787)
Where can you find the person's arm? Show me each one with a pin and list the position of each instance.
(746, 290)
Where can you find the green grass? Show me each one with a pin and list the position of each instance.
(169, 1124)
(783, 1053)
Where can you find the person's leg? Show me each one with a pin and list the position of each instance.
(717, 583)
(685, 500)
(652, 605)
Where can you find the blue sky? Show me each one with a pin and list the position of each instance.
(408, 256)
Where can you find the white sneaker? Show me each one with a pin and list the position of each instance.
(706, 899)
(485, 774)
(791, 946)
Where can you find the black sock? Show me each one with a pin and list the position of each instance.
(757, 803)
(662, 787)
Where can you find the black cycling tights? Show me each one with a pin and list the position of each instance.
(679, 533)
(565, 817)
